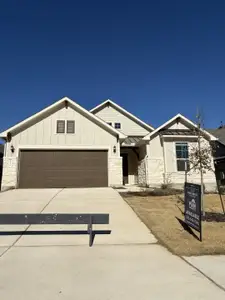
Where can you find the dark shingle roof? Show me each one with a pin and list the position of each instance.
(219, 133)
(178, 132)
(132, 140)
(1, 148)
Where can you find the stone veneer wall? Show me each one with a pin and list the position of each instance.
(9, 176)
(156, 177)
(115, 171)
(142, 172)
(9, 173)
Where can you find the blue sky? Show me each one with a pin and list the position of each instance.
(155, 58)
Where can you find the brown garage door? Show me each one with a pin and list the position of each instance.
(48, 169)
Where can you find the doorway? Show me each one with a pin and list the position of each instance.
(125, 168)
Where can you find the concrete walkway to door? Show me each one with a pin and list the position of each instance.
(125, 226)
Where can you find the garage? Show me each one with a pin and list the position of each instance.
(63, 168)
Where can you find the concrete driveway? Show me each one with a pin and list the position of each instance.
(127, 264)
(125, 226)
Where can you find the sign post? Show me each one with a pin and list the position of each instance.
(192, 206)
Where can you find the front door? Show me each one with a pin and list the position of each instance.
(125, 167)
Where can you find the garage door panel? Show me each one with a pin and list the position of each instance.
(40, 169)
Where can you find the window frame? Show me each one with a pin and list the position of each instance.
(182, 158)
(115, 124)
(64, 123)
(67, 121)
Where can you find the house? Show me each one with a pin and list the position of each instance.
(1, 161)
(65, 145)
(133, 148)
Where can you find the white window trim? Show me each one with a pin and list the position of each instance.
(175, 155)
(70, 133)
(117, 123)
(57, 126)
(65, 133)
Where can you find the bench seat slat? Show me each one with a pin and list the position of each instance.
(56, 218)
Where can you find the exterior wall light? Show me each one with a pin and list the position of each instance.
(114, 149)
(12, 149)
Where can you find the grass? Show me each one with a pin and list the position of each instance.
(161, 214)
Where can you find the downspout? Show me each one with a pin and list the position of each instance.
(146, 163)
(164, 160)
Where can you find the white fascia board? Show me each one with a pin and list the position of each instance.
(180, 136)
(210, 136)
(72, 103)
(124, 111)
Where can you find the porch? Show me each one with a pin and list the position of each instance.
(134, 152)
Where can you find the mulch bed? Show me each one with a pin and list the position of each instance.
(213, 217)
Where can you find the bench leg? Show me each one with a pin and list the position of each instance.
(90, 232)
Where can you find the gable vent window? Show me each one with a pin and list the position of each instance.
(117, 125)
(182, 156)
(109, 123)
(70, 127)
(60, 126)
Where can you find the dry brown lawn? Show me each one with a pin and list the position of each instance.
(160, 214)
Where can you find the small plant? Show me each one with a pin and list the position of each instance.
(165, 186)
(222, 190)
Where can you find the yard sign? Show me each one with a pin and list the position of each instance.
(192, 206)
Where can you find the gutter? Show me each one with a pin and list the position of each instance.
(164, 159)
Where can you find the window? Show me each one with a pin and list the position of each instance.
(182, 157)
(60, 126)
(117, 125)
(109, 123)
(70, 127)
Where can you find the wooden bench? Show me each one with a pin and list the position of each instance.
(56, 218)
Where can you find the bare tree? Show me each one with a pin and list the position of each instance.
(201, 157)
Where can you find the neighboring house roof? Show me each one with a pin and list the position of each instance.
(1, 158)
(56, 105)
(187, 121)
(1, 148)
(122, 110)
(219, 133)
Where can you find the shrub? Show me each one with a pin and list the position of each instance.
(154, 192)
(165, 186)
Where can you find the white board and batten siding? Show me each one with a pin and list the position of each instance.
(42, 135)
(128, 126)
(43, 132)
(163, 163)
(176, 125)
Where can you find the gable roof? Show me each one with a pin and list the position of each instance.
(122, 110)
(57, 104)
(219, 133)
(179, 116)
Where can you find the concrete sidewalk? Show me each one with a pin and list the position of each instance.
(101, 272)
(212, 266)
